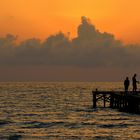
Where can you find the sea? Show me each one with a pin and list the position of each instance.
(62, 111)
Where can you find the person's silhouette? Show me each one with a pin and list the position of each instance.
(134, 83)
(126, 84)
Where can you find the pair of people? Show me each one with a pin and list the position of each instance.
(134, 83)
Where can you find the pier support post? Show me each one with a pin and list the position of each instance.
(111, 100)
(104, 100)
(94, 98)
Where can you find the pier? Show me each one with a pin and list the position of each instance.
(127, 102)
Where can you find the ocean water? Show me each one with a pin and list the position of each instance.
(61, 111)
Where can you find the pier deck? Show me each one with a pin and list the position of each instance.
(128, 102)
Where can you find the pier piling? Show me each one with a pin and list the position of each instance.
(121, 100)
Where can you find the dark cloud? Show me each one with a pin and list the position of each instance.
(91, 48)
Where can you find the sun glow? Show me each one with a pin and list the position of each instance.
(40, 18)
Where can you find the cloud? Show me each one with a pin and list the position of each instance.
(91, 48)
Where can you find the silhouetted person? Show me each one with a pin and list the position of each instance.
(134, 83)
(126, 84)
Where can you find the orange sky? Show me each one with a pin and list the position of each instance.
(40, 18)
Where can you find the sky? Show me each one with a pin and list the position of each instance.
(47, 40)
(40, 18)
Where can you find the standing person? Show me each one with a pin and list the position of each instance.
(134, 83)
(126, 84)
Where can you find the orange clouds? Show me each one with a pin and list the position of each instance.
(41, 18)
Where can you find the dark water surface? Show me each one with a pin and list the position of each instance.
(61, 111)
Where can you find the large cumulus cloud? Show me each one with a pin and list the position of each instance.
(91, 48)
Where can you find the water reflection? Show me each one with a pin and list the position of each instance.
(61, 111)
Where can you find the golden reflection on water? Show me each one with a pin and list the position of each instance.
(61, 111)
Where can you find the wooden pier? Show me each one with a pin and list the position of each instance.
(127, 102)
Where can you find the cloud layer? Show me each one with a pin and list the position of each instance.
(91, 48)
